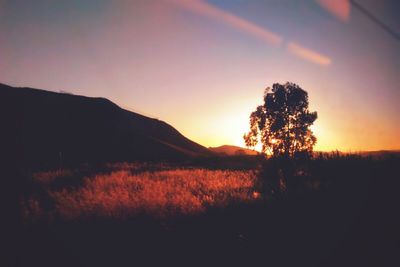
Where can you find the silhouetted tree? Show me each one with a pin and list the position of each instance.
(282, 122)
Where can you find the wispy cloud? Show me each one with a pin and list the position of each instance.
(338, 8)
(206, 9)
(308, 54)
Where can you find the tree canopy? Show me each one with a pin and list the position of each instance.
(282, 123)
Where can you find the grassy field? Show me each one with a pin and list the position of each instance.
(127, 191)
(331, 210)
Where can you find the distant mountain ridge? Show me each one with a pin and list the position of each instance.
(46, 128)
(230, 150)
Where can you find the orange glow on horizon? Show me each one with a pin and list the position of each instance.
(228, 128)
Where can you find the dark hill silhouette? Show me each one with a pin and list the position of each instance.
(229, 150)
(44, 129)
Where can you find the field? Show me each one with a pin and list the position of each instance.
(327, 211)
(126, 192)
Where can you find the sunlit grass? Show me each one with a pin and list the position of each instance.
(160, 193)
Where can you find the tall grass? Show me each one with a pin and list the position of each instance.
(122, 193)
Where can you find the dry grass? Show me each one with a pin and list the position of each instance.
(48, 177)
(122, 193)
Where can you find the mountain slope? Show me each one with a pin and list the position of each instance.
(48, 129)
(233, 150)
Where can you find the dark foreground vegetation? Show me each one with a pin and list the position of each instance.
(331, 210)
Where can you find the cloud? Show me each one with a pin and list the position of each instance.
(205, 9)
(338, 8)
(308, 54)
(208, 10)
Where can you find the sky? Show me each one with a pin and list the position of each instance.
(202, 66)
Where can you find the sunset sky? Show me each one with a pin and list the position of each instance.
(202, 66)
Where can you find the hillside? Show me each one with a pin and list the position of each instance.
(233, 150)
(44, 129)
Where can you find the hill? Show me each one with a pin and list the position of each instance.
(43, 129)
(233, 150)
